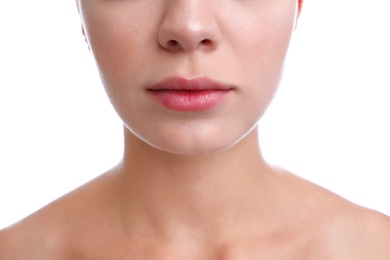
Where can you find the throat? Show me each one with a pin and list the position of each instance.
(204, 194)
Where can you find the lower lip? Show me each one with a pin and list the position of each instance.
(189, 100)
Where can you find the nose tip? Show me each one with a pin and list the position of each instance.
(189, 27)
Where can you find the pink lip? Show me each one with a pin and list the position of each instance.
(198, 94)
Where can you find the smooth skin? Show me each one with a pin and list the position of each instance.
(194, 185)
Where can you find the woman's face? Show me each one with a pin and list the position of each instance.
(189, 76)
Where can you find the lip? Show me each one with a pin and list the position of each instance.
(197, 94)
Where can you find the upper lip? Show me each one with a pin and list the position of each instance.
(186, 84)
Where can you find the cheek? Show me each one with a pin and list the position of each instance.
(266, 43)
(115, 52)
(119, 48)
(120, 34)
(262, 54)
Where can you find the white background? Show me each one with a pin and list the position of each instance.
(329, 122)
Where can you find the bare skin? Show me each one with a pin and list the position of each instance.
(262, 212)
(194, 185)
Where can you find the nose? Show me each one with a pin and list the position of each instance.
(189, 25)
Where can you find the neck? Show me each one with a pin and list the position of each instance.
(203, 192)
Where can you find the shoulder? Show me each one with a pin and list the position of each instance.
(53, 231)
(352, 232)
(42, 235)
(338, 228)
(359, 233)
(29, 240)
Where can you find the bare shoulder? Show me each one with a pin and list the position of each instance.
(36, 237)
(346, 230)
(49, 232)
(357, 233)
(336, 227)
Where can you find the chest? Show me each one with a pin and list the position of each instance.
(238, 251)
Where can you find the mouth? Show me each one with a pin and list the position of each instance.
(181, 94)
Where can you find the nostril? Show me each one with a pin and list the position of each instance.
(206, 42)
(175, 45)
(172, 43)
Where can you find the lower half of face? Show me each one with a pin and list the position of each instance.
(192, 132)
(240, 66)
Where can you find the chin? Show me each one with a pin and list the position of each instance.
(191, 136)
(197, 144)
(194, 150)
(188, 148)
